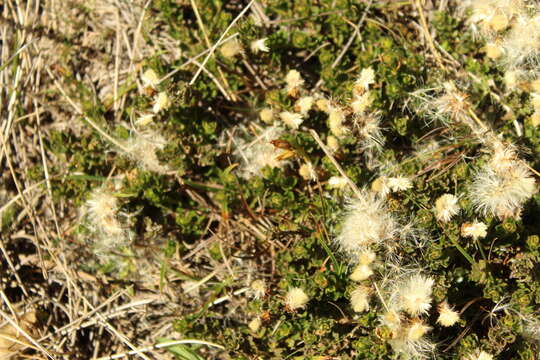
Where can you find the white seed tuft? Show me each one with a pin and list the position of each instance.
(296, 298)
(446, 206)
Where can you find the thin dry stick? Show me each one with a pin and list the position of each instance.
(213, 48)
(46, 170)
(334, 161)
(353, 36)
(12, 267)
(116, 61)
(195, 58)
(80, 112)
(223, 91)
(25, 334)
(427, 34)
(203, 29)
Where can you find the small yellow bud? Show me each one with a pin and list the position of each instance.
(361, 272)
(255, 324)
(332, 143)
(231, 48)
(267, 116)
(150, 78)
(493, 51)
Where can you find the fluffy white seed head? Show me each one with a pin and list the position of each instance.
(367, 222)
(447, 315)
(475, 230)
(102, 214)
(296, 298)
(267, 116)
(366, 78)
(102, 208)
(294, 82)
(446, 206)
(307, 172)
(399, 183)
(522, 43)
(231, 48)
(360, 298)
(415, 294)
(292, 120)
(150, 78)
(337, 182)
(502, 186)
(361, 272)
(491, 16)
(304, 104)
(258, 289)
(259, 46)
(259, 153)
(161, 102)
(142, 148)
(479, 355)
(336, 118)
(368, 127)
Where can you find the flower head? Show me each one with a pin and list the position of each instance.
(267, 115)
(304, 104)
(447, 315)
(366, 78)
(231, 48)
(360, 298)
(446, 206)
(336, 117)
(307, 171)
(162, 102)
(475, 230)
(502, 186)
(337, 182)
(361, 103)
(150, 78)
(259, 45)
(259, 153)
(415, 294)
(292, 120)
(296, 298)
(361, 272)
(294, 82)
(479, 355)
(366, 223)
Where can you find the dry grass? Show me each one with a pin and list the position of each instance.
(77, 315)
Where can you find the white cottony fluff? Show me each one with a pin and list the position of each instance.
(502, 186)
(414, 294)
(446, 206)
(259, 153)
(366, 223)
(142, 148)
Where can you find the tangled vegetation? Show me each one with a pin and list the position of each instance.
(270, 179)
